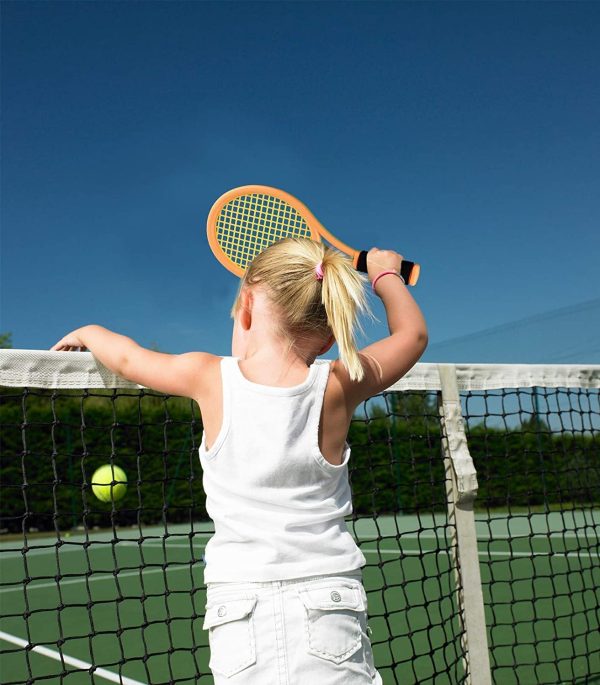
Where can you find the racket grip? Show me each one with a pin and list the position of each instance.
(408, 270)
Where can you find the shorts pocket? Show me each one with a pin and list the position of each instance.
(231, 634)
(333, 625)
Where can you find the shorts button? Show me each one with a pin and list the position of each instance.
(221, 611)
(336, 597)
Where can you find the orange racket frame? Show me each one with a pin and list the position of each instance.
(316, 231)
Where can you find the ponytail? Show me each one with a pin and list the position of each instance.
(343, 297)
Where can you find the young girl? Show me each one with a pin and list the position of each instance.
(285, 601)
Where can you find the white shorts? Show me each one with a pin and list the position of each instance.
(290, 632)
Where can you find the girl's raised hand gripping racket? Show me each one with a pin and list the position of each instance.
(246, 220)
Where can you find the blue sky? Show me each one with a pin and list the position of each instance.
(464, 135)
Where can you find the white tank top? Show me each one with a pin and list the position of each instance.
(277, 504)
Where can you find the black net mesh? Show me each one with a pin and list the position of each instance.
(537, 454)
(93, 591)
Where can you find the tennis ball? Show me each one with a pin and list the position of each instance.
(109, 482)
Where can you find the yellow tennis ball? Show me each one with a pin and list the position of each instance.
(109, 482)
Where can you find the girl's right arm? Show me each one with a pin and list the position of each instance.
(387, 360)
(174, 374)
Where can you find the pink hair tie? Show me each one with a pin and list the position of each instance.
(319, 271)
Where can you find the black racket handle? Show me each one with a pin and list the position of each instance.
(406, 268)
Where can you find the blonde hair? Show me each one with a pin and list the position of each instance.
(306, 305)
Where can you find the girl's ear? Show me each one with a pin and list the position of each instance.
(245, 310)
(327, 346)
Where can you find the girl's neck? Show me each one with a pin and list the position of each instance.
(267, 369)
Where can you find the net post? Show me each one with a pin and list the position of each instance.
(461, 488)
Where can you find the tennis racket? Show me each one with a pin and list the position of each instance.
(246, 220)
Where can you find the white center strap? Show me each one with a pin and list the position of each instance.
(454, 433)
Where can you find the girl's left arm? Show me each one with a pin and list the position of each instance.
(173, 374)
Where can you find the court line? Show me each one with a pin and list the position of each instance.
(103, 545)
(107, 575)
(96, 577)
(75, 545)
(72, 661)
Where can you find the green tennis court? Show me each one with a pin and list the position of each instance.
(143, 602)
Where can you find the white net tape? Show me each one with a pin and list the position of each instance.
(43, 369)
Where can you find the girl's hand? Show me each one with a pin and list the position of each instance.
(69, 343)
(382, 260)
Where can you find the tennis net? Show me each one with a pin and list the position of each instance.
(476, 503)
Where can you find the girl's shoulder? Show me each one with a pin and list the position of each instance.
(209, 366)
(354, 392)
(202, 370)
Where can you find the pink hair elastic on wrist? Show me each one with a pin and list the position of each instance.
(385, 273)
(319, 271)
